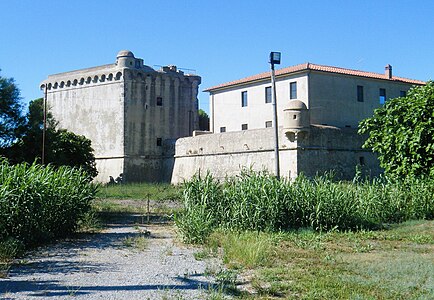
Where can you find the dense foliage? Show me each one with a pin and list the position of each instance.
(40, 203)
(260, 202)
(62, 148)
(203, 120)
(402, 133)
(11, 120)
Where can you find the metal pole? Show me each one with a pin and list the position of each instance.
(276, 130)
(45, 123)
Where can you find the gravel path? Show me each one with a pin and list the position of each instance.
(105, 266)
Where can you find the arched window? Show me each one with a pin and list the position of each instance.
(68, 83)
(95, 79)
(110, 77)
(88, 80)
(118, 75)
(81, 80)
(75, 82)
(102, 79)
(55, 85)
(62, 84)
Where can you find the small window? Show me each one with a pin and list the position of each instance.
(244, 99)
(382, 96)
(268, 124)
(360, 93)
(159, 101)
(159, 142)
(402, 94)
(243, 126)
(293, 90)
(222, 129)
(268, 94)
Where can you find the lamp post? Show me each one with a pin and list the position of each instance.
(275, 59)
(44, 107)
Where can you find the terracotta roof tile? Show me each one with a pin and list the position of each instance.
(315, 67)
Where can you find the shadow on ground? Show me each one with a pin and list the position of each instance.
(54, 289)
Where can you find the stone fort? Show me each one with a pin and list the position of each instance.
(143, 122)
(131, 113)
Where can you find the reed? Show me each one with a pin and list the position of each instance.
(258, 201)
(38, 203)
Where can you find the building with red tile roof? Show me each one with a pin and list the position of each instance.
(335, 96)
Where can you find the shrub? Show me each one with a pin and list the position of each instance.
(40, 203)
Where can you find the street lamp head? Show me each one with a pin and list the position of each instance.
(275, 58)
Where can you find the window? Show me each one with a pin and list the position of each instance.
(268, 94)
(159, 142)
(159, 101)
(268, 124)
(293, 90)
(402, 93)
(382, 96)
(244, 99)
(243, 126)
(222, 129)
(360, 93)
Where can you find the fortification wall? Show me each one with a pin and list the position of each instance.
(320, 149)
(226, 154)
(328, 148)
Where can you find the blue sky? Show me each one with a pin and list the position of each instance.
(221, 40)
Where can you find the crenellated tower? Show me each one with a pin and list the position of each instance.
(131, 113)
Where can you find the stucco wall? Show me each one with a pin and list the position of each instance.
(226, 110)
(330, 97)
(333, 98)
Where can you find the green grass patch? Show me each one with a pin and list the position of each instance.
(305, 264)
(144, 191)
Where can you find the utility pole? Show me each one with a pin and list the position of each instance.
(275, 59)
(45, 123)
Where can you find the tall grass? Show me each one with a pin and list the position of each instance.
(40, 203)
(260, 202)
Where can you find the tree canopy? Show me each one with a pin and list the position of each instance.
(203, 120)
(402, 133)
(11, 118)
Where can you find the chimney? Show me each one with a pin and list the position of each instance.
(388, 71)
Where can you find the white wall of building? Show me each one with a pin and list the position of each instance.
(226, 110)
(333, 98)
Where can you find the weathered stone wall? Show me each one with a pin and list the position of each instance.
(226, 154)
(90, 103)
(129, 111)
(327, 148)
(320, 149)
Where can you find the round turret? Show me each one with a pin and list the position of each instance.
(125, 59)
(296, 116)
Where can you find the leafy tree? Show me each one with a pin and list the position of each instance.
(11, 119)
(402, 133)
(203, 120)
